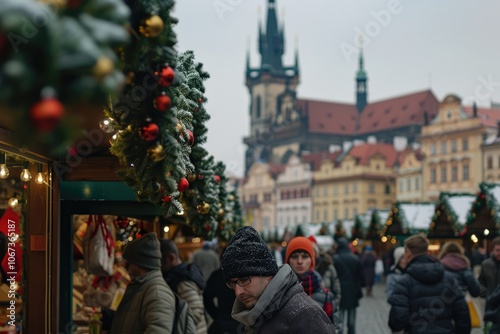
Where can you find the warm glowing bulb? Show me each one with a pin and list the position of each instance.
(166, 229)
(4, 171)
(39, 178)
(25, 175)
(13, 202)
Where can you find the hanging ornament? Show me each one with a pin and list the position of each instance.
(208, 227)
(179, 127)
(220, 213)
(107, 125)
(230, 197)
(151, 27)
(217, 178)
(191, 177)
(191, 137)
(203, 208)
(46, 113)
(190, 192)
(103, 67)
(166, 199)
(200, 100)
(156, 153)
(183, 185)
(149, 132)
(165, 76)
(129, 78)
(162, 102)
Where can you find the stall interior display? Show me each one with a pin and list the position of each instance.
(99, 277)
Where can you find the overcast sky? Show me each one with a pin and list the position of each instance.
(449, 46)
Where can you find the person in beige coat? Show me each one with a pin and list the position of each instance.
(148, 305)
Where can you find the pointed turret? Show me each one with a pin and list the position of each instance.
(271, 45)
(361, 87)
(474, 109)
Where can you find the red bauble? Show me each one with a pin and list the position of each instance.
(183, 185)
(149, 132)
(217, 178)
(166, 199)
(200, 100)
(162, 102)
(165, 76)
(191, 137)
(200, 176)
(46, 114)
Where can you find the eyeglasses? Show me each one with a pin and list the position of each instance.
(240, 281)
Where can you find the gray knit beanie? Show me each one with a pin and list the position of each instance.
(144, 252)
(247, 255)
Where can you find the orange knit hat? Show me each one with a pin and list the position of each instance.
(300, 243)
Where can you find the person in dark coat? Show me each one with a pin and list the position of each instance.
(368, 261)
(351, 278)
(427, 299)
(492, 310)
(269, 300)
(455, 262)
(219, 300)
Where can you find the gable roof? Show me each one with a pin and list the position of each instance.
(364, 152)
(488, 117)
(315, 159)
(344, 119)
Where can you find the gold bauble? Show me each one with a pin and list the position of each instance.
(220, 212)
(191, 177)
(102, 68)
(151, 27)
(129, 78)
(179, 127)
(156, 153)
(190, 192)
(231, 197)
(203, 208)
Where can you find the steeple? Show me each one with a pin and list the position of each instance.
(361, 79)
(272, 43)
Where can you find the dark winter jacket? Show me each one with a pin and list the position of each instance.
(351, 278)
(492, 307)
(219, 300)
(427, 299)
(283, 308)
(458, 265)
(489, 277)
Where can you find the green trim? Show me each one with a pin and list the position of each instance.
(96, 191)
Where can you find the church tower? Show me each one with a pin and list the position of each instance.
(361, 87)
(265, 84)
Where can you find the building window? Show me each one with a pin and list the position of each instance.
(466, 172)
(355, 187)
(266, 223)
(325, 215)
(408, 184)
(443, 148)
(257, 107)
(346, 189)
(325, 190)
(307, 193)
(317, 191)
(335, 190)
(354, 212)
(417, 183)
(371, 188)
(267, 197)
(489, 162)
(465, 145)
(335, 214)
(443, 174)
(317, 215)
(454, 174)
(453, 146)
(401, 185)
(387, 189)
(433, 175)
(346, 213)
(433, 149)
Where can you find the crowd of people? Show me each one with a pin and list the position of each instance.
(307, 290)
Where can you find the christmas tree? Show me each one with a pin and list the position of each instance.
(57, 65)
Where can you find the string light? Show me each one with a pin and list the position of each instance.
(25, 174)
(13, 202)
(39, 177)
(4, 171)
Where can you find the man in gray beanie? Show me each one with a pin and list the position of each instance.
(148, 305)
(268, 299)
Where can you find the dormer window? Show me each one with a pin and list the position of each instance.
(448, 114)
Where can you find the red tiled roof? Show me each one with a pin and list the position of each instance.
(329, 117)
(489, 117)
(275, 169)
(398, 112)
(316, 158)
(364, 152)
(342, 118)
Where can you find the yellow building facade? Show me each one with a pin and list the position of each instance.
(409, 186)
(452, 146)
(360, 180)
